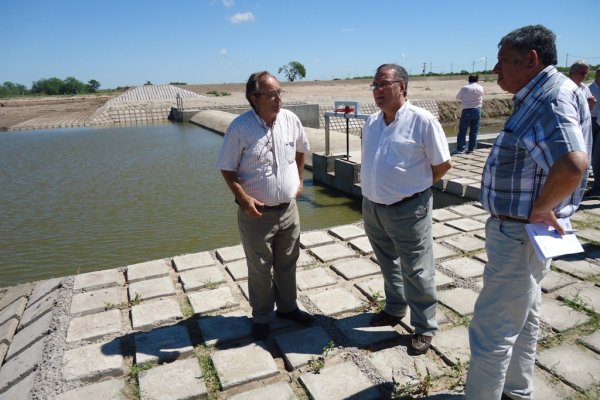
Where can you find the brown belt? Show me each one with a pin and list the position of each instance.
(509, 218)
(414, 196)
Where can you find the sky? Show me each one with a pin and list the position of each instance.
(129, 42)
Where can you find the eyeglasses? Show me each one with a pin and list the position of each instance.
(275, 93)
(382, 84)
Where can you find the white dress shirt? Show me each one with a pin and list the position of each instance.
(265, 158)
(397, 158)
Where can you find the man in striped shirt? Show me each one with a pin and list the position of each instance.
(536, 172)
(262, 162)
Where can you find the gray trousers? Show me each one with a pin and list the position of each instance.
(272, 247)
(504, 329)
(403, 244)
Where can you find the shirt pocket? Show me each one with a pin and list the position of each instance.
(400, 153)
(290, 152)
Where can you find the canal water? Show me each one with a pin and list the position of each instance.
(85, 199)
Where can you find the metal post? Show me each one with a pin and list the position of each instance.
(347, 138)
(327, 152)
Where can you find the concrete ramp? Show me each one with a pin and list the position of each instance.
(142, 104)
(155, 93)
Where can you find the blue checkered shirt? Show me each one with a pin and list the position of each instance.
(549, 120)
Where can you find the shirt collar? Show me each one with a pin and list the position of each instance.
(262, 122)
(533, 84)
(400, 110)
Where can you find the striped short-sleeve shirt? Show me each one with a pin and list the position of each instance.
(264, 157)
(550, 119)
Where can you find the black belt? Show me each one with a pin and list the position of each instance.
(414, 196)
(509, 218)
(276, 207)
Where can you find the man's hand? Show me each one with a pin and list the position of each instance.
(563, 178)
(546, 217)
(250, 207)
(300, 187)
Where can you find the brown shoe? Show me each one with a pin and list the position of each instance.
(420, 344)
(383, 319)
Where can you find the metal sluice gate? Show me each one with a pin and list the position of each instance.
(343, 109)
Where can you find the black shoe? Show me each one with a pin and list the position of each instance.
(298, 316)
(260, 331)
(420, 344)
(383, 319)
(469, 151)
(455, 152)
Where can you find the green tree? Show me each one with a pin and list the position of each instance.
(12, 89)
(93, 85)
(293, 70)
(72, 86)
(51, 86)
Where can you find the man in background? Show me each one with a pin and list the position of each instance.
(262, 162)
(536, 172)
(471, 101)
(578, 72)
(594, 88)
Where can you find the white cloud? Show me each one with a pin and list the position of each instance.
(241, 17)
(228, 3)
(223, 52)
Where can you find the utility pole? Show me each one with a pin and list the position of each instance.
(473, 67)
(430, 68)
(567, 61)
(424, 68)
(451, 68)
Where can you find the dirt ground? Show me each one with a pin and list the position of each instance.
(16, 110)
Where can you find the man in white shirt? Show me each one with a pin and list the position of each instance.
(262, 162)
(578, 72)
(471, 100)
(594, 88)
(404, 151)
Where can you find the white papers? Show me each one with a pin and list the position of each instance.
(548, 243)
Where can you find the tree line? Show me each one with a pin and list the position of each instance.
(51, 86)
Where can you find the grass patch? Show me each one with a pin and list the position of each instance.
(126, 304)
(376, 302)
(592, 325)
(421, 389)
(133, 377)
(209, 373)
(217, 94)
(316, 364)
(591, 394)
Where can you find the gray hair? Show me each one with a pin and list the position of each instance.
(252, 86)
(399, 73)
(578, 66)
(533, 37)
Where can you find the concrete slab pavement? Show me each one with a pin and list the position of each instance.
(97, 327)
